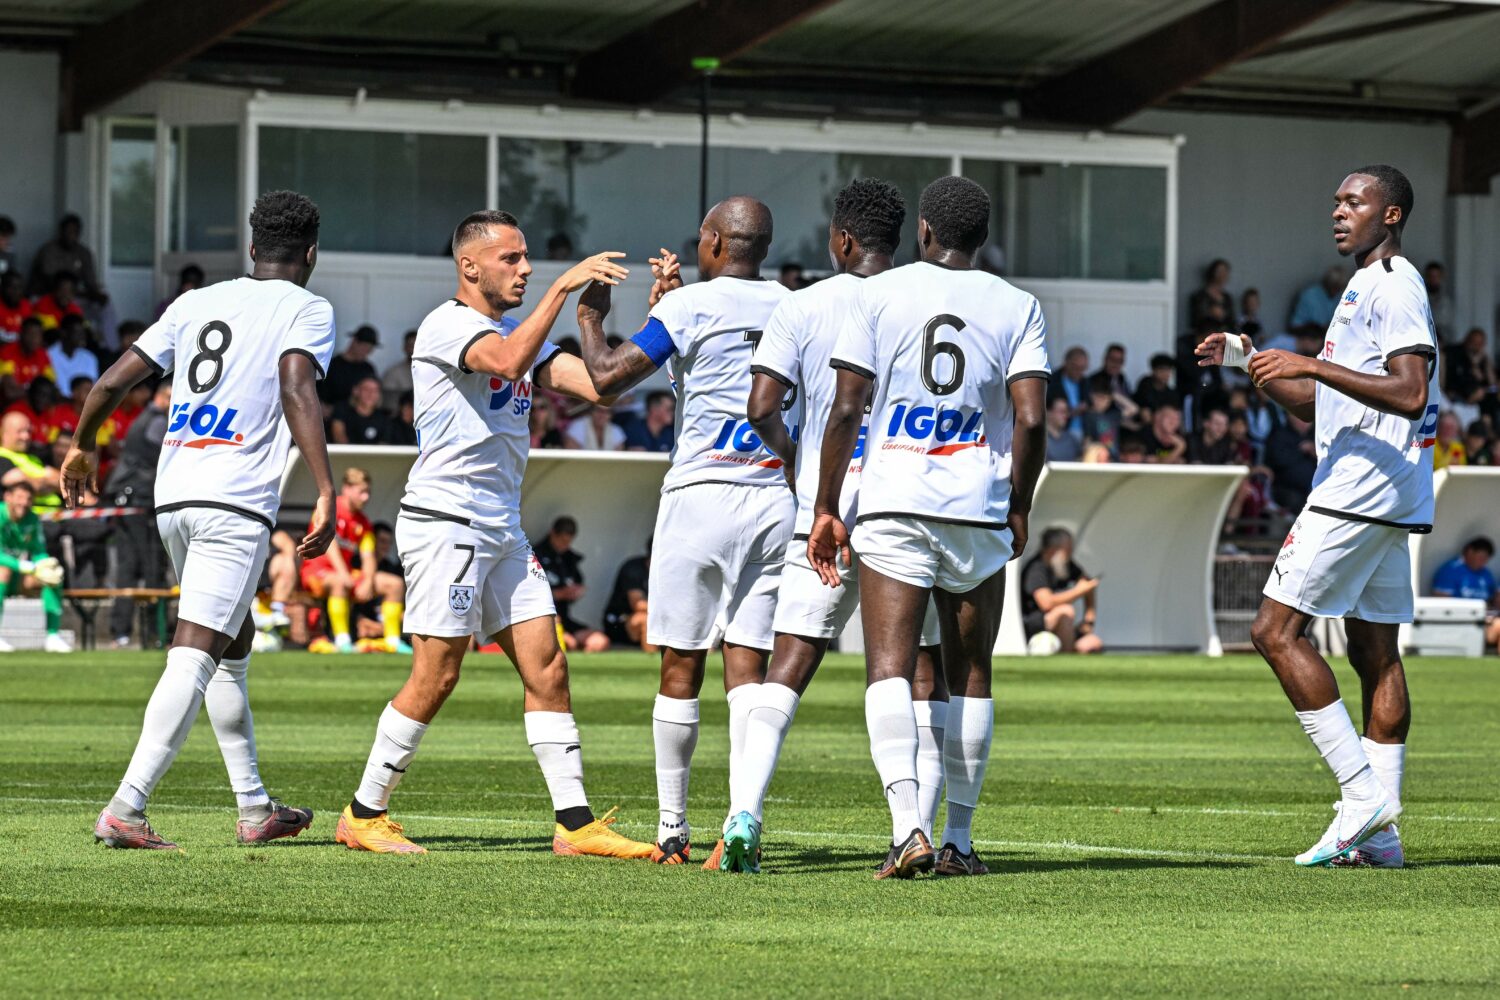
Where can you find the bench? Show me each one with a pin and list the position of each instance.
(151, 609)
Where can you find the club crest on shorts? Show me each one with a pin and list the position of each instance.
(460, 598)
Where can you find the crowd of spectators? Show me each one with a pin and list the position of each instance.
(1181, 413)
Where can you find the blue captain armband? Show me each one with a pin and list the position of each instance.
(654, 339)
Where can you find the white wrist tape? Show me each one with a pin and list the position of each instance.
(1235, 355)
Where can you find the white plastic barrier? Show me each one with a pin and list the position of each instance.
(1466, 502)
(1151, 533)
(613, 495)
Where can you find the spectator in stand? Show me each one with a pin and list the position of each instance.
(14, 306)
(70, 357)
(1132, 449)
(1250, 314)
(64, 416)
(128, 332)
(1164, 442)
(1062, 444)
(791, 276)
(1103, 421)
(132, 483)
(1071, 383)
(1262, 416)
(60, 302)
(18, 464)
(25, 360)
(368, 618)
(656, 430)
(1316, 303)
(404, 424)
(1292, 457)
(1052, 584)
(25, 567)
(1242, 450)
(565, 575)
(1471, 385)
(396, 381)
(66, 253)
(1213, 299)
(625, 614)
(7, 246)
(1435, 278)
(598, 432)
(1113, 370)
(1477, 443)
(348, 572)
(1308, 342)
(41, 396)
(560, 247)
(1449, 449)
(1468, 575)
(1202, 388)
(188, 279)
(347, 369)
(1156, 390)
(1211, 445)
(543, 424)
(361, 420)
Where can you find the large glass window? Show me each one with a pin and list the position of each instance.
(1077, 221)
(800, 187)
(132, 193)
(203, 167)
(378, 192)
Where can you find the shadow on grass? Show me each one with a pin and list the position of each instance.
(534, 845)
(822, 859)
(1489, 860)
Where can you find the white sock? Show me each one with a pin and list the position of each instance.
(674, 727)
(892, 723)
(1388, 761)
(931, 718)
(765, 732)
(1333, 734)
(169, 718)
(396, 742)
(741, 701)
(554, 739)
(228, 702)
(966, 753)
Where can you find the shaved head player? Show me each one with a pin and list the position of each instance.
(1373, 395)
(958, 358)
(726, 513)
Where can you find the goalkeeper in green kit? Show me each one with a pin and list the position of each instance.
(25, 567)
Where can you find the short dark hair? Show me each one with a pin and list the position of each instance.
(7, 226)
(383, 526)
(73, 382)
(21, 484)
(130, 327)
(657, 395)
(1099, 382)
(1394, 187)
(958, 210)
(872, 211)
(1115, 347)
(192, 273)
(283, 225)
(476, 223)
(70, 219)
(1163, 361)
(1055, 536)
(1483, 544)
(565, 525)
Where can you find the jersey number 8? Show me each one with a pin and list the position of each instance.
(209, 355)
(932, 349)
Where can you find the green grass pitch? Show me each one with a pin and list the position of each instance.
(1139, 816)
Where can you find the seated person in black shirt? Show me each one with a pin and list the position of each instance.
(1156, 390)
(369, 623)
(1051, 585)
(625, 614)
(361, 420)
(565, 575)
(346, 369)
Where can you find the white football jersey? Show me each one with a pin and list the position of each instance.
(942, 345)
(709, 330)
(795, 350)
(1374, 465)
(226, 442)
(473, 429)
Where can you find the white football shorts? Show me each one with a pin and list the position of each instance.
(808, 607)
(1331, 567)
(467, 580)
(717, 558)
(952, 557)
(217, 555)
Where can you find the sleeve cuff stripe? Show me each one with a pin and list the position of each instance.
(309, 356)
(464, 354)
(772, 373)
(150, 361)
(850, 366)
(1031, 374)
(1414, 349)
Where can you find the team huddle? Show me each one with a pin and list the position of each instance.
(873, 440)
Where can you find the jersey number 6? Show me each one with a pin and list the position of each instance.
(209, 355)
(932, 349)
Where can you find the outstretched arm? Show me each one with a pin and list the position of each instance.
(79, 469)
(1296, 397)
(617, 370)
(828, 538)
(1028, 397)
(304, 417)
(511, 357)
